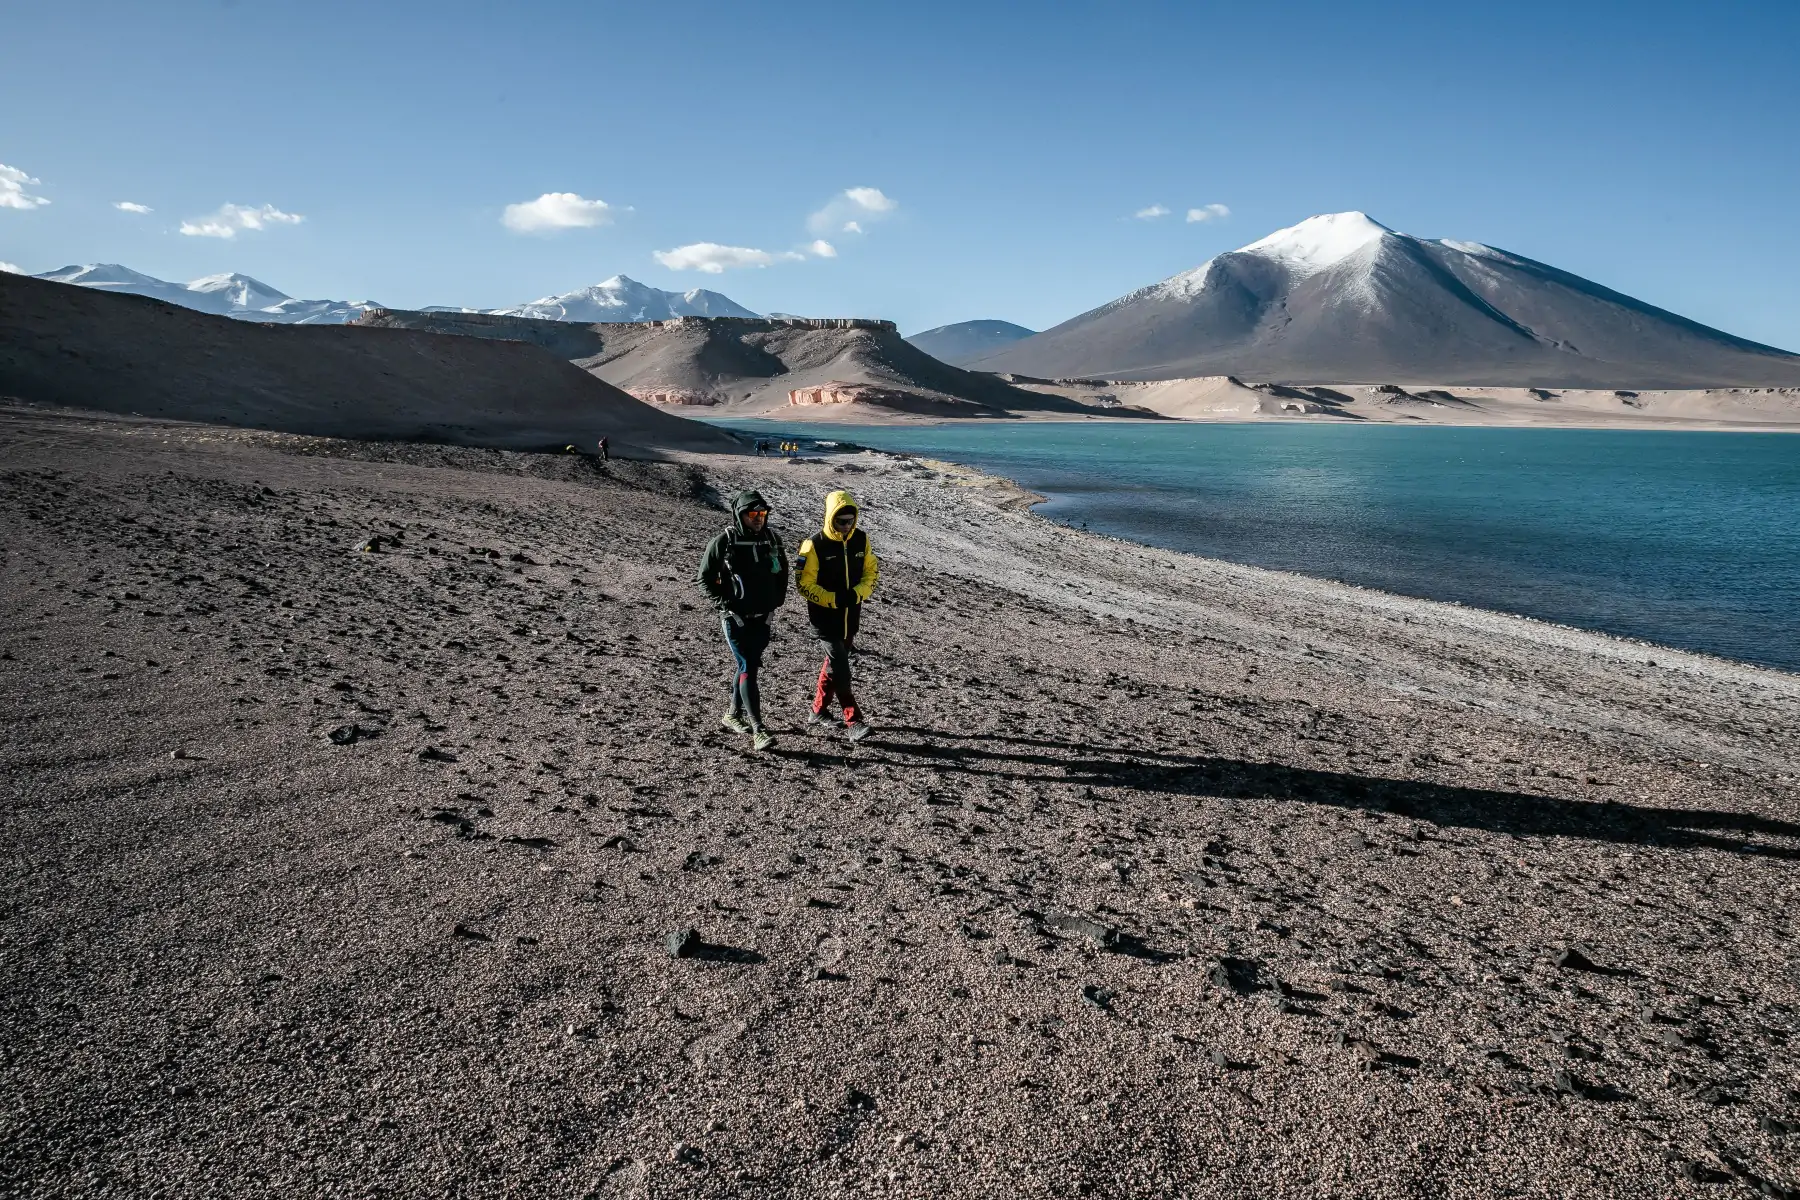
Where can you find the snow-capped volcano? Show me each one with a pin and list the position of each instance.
(228, 295)
(1341, 298)
(625, 299)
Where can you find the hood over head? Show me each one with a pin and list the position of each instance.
(833, 502)
(742, 503)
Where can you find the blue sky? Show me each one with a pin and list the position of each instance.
(1653, 147)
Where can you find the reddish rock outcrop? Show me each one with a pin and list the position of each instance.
(673, 396)
(838, 392)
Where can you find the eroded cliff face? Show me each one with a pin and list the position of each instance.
(681, 397)
(839, 392)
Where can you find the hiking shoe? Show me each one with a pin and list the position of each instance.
(735, 723)
(856, 731)
(821, 718)
(763, 740)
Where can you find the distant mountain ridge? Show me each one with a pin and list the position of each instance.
(228, 295)
(617, 299)
(622, 298)
(1341, 298)
(966, 341)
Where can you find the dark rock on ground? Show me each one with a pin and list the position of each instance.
(1238, 975)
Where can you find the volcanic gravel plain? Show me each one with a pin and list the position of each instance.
(354, 791)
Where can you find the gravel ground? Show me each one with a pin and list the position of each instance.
(354, 790)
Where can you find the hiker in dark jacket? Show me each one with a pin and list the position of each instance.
(744, 572)
(837, 575)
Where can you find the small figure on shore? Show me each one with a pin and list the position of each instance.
(744, 572)
(837, 574)
(605, 452)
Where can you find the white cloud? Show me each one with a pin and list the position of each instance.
(822, 249)
(1151, 213)
(12, 268)
(870, 200)
(231, 219)
(846, 212)
(710, 258)
(13, 183)
(556, 210)
(131, 207)
(1208, 212)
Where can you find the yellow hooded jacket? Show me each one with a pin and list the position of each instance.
(835, 563)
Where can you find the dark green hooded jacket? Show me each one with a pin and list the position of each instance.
(742, 572)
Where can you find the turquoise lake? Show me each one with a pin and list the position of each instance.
(1688, 539)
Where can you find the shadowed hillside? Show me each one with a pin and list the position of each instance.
(61, 344)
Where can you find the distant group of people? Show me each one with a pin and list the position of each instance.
(602, 450)
(745, 573)
(764, 446)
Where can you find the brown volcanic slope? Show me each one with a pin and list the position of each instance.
(128, 354)
(747, 367)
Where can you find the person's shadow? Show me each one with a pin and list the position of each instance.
(1522, 814)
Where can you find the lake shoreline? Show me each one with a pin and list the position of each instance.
(1487, 519)
(902, 420)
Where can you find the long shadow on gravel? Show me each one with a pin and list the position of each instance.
(1522, 814)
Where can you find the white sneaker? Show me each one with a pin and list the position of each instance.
(856, 731)
(763, 740)
(735, 723)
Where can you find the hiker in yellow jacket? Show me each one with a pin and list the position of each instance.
(837, 574)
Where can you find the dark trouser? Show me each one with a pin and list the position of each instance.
(834, 675)
(747, 642)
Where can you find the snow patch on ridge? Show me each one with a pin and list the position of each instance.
(1184, 286)
(1474, 249)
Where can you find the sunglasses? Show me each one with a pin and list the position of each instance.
(847, 517)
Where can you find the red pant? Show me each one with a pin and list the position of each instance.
(834, 680)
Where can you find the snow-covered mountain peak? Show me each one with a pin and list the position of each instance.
(101, 275)
(622, 298)
(239, 291)
(1313, 245)
(1320, 242)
